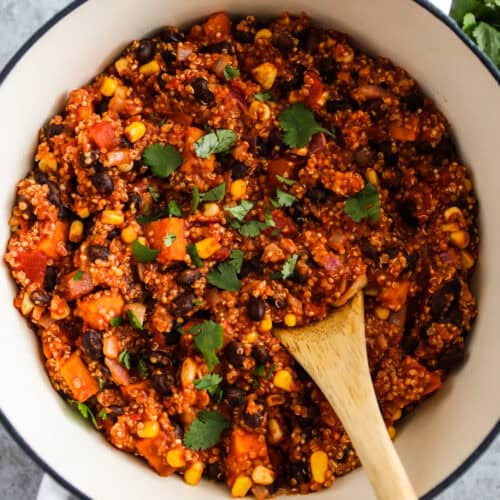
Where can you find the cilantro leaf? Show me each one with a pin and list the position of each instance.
(196, 200)
(299, 125)
(283, 199)
(215, 194)
(236, 259)
(133, 320)
(77, 276)
(163, 160)
(169, 239)
(252, 228)
(231, 72)
(220, 141)
(240, 211)
(209, 382)
(193, 253)
(143, 253)
(153, 191)
(205, 430)
(146, 219)
(116, 321)
(224, 277)
(84, 411)
(208, 337)
(284, 180)
(124, 358)
(288, 268)
(259, 371)
(174, 210)
(100, 381)
(263, 96)
(364, 205)
(269, 221)
(102, 414)
(143, 368)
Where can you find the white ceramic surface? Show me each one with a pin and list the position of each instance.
(447, 429)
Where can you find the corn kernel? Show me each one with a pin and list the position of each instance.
(467, 259)
(468, 185)
(259, 111)
(149, 429)
(76, 231)
(252, 337)
(108, 86)
(452, 213)
(266, 324)
(26, 305)
(295, 96)
(450, 227)
(300, 151)
(48, 163)
(460, 239)
(392, 431)
(207, 247)
(114, 217)
(265, 74)
(128, 234)
(238, 189)
(241, 486)
(290, 320)
(397, 414)
(121, 65)
(382, 312)
(263, 475)
(192, 475)
(284, 380)
(135, 131)
(371, 176)
(210, 209)
(263, 33)
(126, 167)
(150, 68)
(275, 431)
(142, 240)
(175, 458)
(83, 213)
(319, 466)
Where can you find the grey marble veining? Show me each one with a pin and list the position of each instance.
(19, 475)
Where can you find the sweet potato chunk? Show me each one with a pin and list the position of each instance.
(98, 309)
(50, 244)
(154, 450)
(77, 376)
(75, 288)
(159, 230)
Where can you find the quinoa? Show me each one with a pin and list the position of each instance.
(170, 221)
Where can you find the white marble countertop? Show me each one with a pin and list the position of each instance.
(19, 476)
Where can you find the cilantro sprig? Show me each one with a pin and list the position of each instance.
(364, 205)
(215, 194)
(163, 160)
(208, 337)
(220, 141)
(299, 125)
(224, 276)
(288, 268)
(209, 382)
(124, 358)
(174, 210)
(263, 96)
(231, 72)
(84, 411)
(240, 211)
(283, 199)
(143, 253)
(205, 430)
(193, 253)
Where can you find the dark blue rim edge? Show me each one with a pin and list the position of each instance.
(495, 73)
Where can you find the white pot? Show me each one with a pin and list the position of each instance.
(451, 428)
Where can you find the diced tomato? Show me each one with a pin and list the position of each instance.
(284, 223)
(394, 297)
(76, 288)
(217, 26)
(154, 450)
(158, 231)
(405, 131)
(281, 167)
(51, 244)
(34, 265)
(315, 98)
(103, 135)
(77, 376)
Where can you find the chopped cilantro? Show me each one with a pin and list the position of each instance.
(209, 382)
(143, 368)
(299, 125)
(163, 160)
(174, 210)
(215, 194)
(288, 268)
(205, 430)
(193, 253)
(283, 199)
(102, 414)
(259, 371)
(146, 219)
(284, 180)
(169, 239)
(153, 191)
(236, 259)
(224, 277)
(84, 411)
(78, 276)
(100, 381)
(240, 211)
(134, 320)
(124, 358)
(196, 200)
(220, 141)
(252, 228)
(208, 337)
(143, 253)
(364, 205)
(231, 72)
(116, 321)
(275, 232)
(263, 96)
(269, 221)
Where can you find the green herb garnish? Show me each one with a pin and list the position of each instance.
(209, 383)
(240, 211)
(193, 253)
(124, 358)
(231, 72)
(263, 96)
(174, 210)
(143, 253)
(288, 268)
(220, 141)
(236, 259)
(100, 381)
(299, 125)
(84, 411)
(269, 221)
(134, 320)
(364, 205)
(208, 337)
(146, 219)
(283, 199)
(224, 277)
(215, 194)
(205, 430)
(169, 239)
(252, 228)
(163, 160)
(196, 200)
(143, 368)
(153, 191)
(284, 180)
(116, 321)
(102, 414)
(77, 276)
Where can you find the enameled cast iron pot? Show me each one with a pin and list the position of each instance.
(452, 428)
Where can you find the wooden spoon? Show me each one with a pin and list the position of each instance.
(333, 352)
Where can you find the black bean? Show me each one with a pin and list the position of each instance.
(364, 156)
(169, 57)
(300, 472)
(170, 35)
(453, 315)
(145, 51)
(256, 309)
(187, 277)
(179, 431)
(278, 303)
(390, 157)
(159, 358)
(115, 411)
(411, 261)
(317, 194)
(391, 252)
(262, 148)
(95, 252)
(283, 42)
(407, 211)
(446, 150)
(134, 199)
(172, 337)
(239, 170)
(295, 82)
(410, 343)
(297, 211)
(368, 249)
(184, 303)
(114, 233)
(235, 353)
(53, 129)
(202, 92)
(260, 353)
(253, 420)
(40, 298)
(234, 396)
(92, 343)
(414, 101)
(244, 36)
(213, 472)
(253, 265)
(327, 68)
(375, 108)
(41, 177)
(103, 182)
(309, 39)
(161, 384)
(333, 106)
(50, 280)
(102, 106)
(53, 196)
(217, 48)
(451, 359)
(275, 138)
